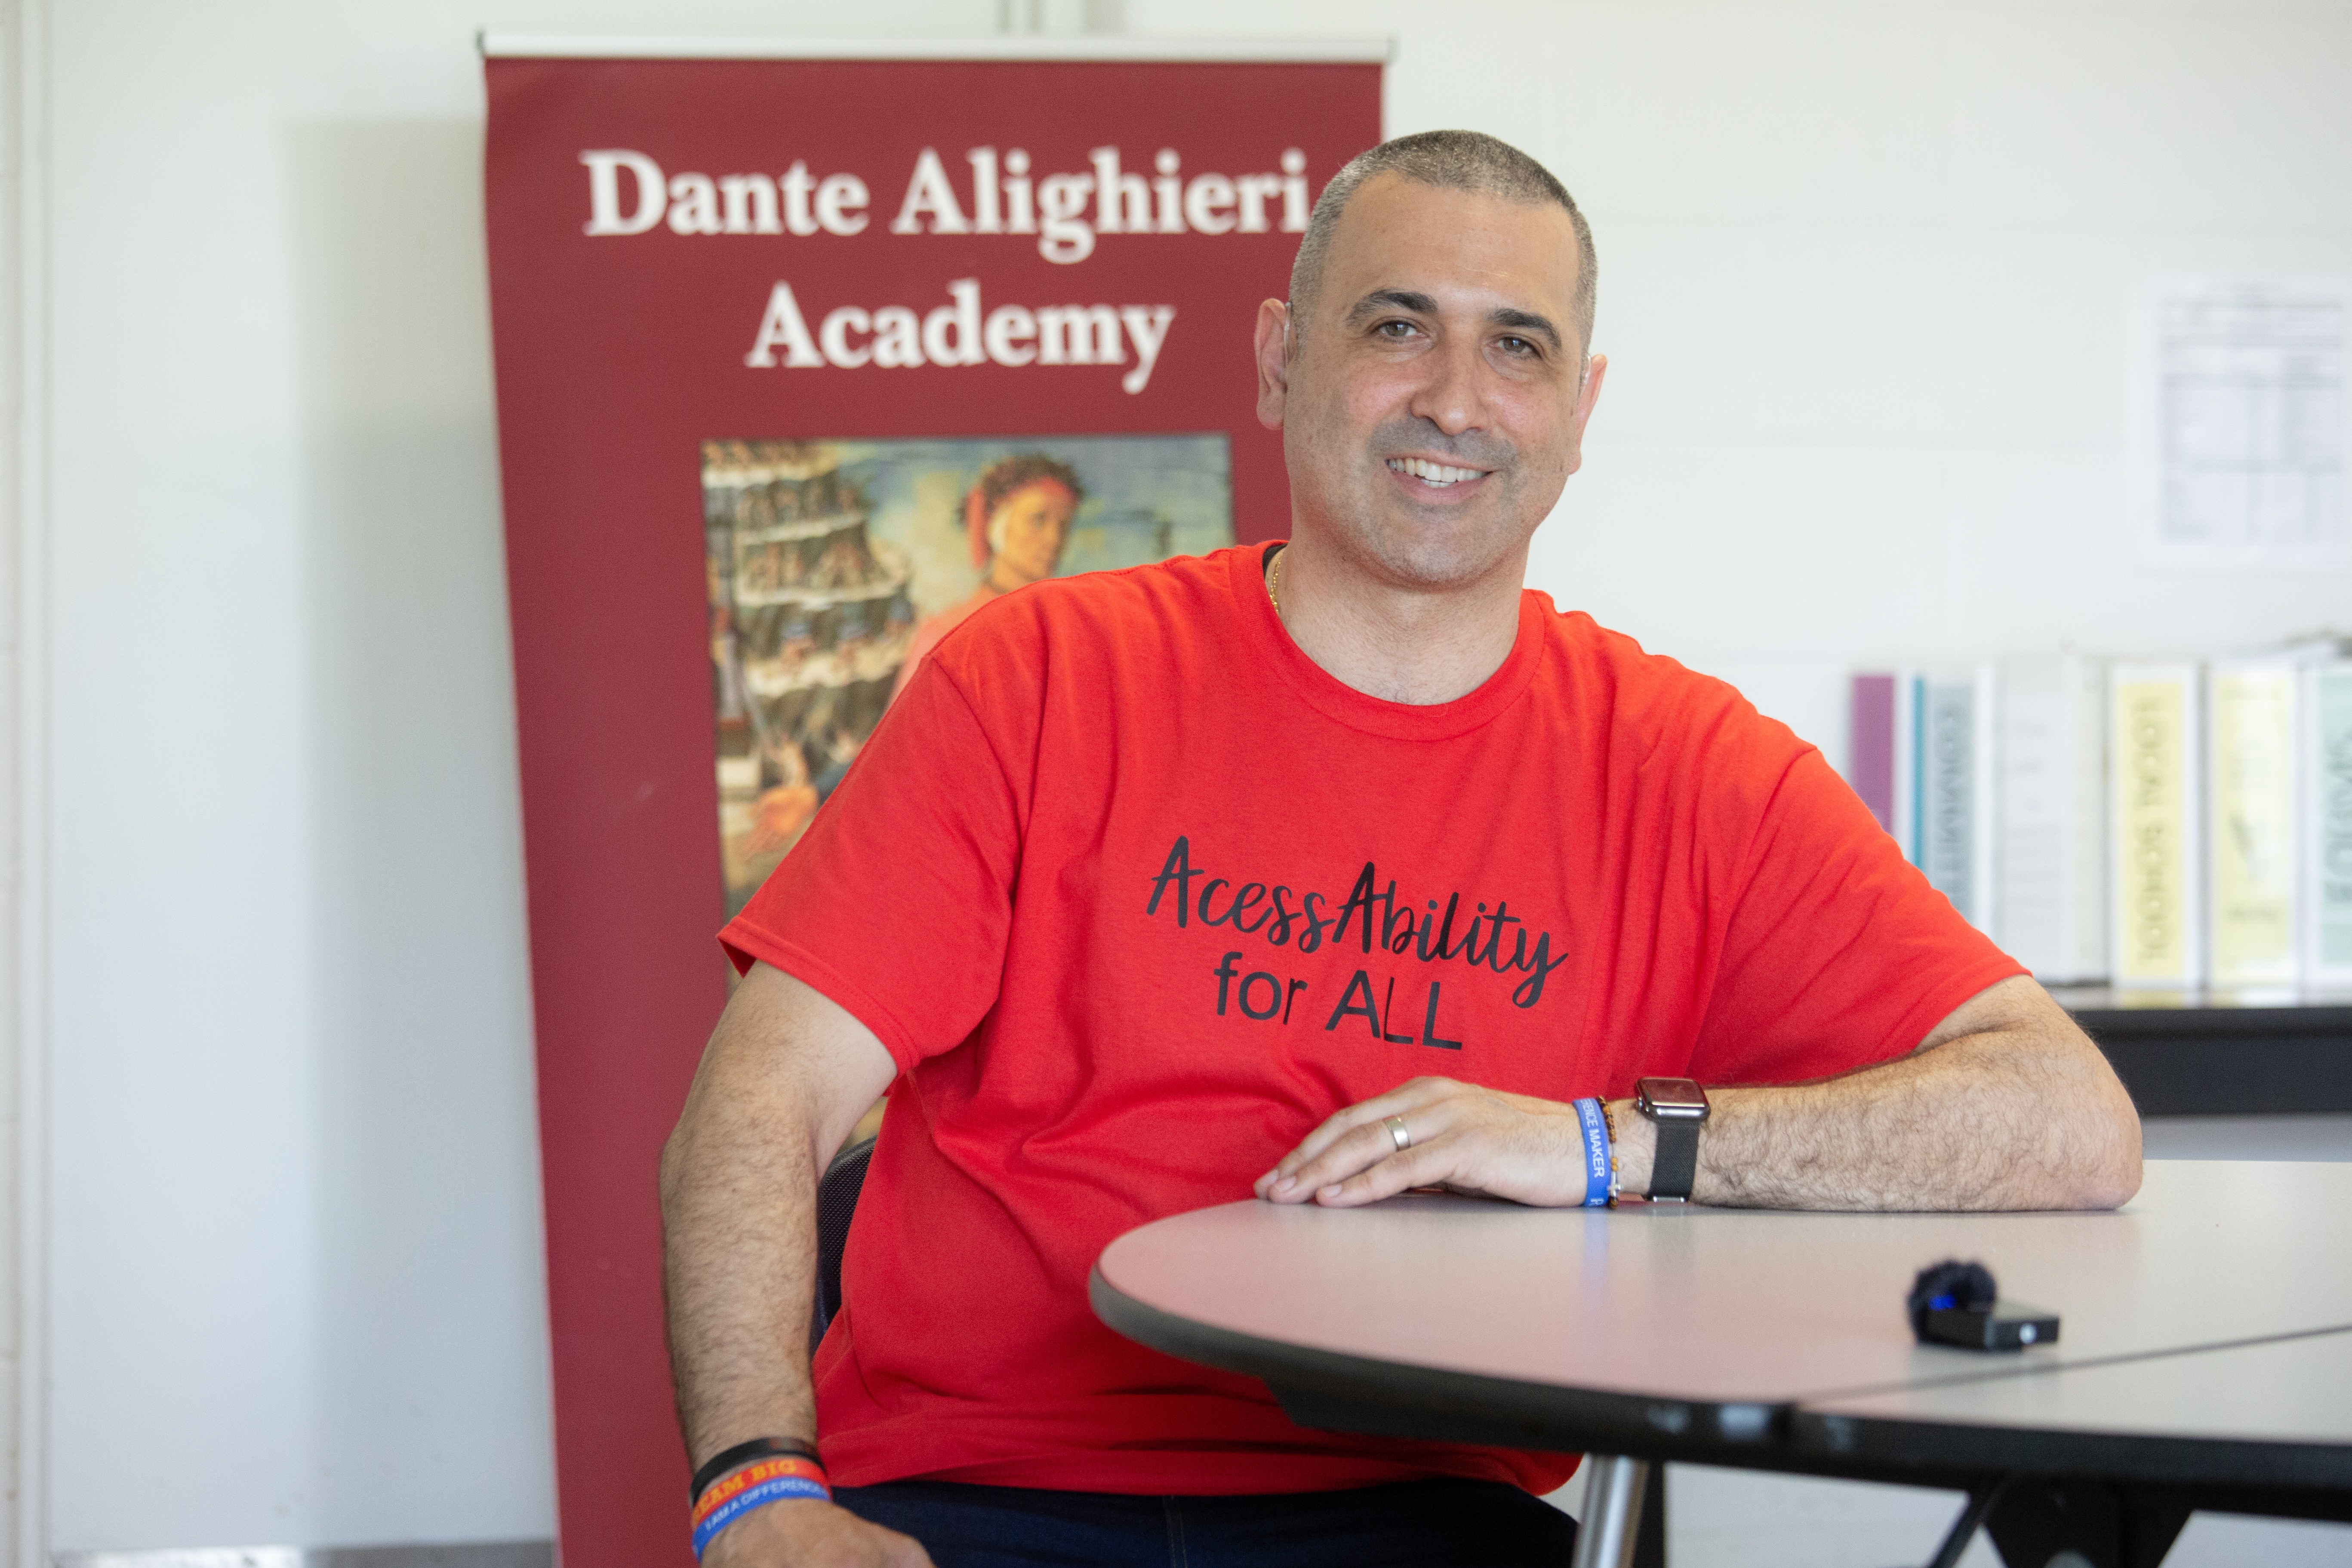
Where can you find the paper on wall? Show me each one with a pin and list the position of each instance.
(2241, 425)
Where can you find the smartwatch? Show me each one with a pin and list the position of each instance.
(1677, 1108)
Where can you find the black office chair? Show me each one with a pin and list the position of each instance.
(837, 1202)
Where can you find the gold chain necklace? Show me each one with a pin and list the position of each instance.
(1274, 585)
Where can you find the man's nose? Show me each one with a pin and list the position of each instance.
(1453, 395)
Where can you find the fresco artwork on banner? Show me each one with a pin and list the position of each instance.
(835, 566)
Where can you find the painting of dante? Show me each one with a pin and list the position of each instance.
(835, 567)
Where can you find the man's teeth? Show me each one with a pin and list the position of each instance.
(1434, 473)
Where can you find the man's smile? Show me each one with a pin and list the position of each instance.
(1440, 475)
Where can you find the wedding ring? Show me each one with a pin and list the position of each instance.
(1400, 1131)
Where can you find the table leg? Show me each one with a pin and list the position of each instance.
(1611, 1529)
(1963, 1528)
(1650, 1549)
(2038, 1523)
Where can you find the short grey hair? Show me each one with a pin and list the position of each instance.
(1450, 161)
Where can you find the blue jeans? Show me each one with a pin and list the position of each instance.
(1407, 1524)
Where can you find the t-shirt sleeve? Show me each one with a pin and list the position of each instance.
(897, 901)
(1838, 952)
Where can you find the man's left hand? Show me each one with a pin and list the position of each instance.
(1460, 1136)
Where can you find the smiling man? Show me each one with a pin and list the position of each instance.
(1326, 868)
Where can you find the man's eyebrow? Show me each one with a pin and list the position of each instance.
(1526, 321)
(1380, 300)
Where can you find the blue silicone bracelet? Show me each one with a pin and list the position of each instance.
(776, 1489)
(1596, 1153)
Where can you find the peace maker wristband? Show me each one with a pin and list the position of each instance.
(1597, 1162)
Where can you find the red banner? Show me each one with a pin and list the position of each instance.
(797, 361)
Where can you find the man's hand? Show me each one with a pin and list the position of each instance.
(808, 1533)
(1464, 1138)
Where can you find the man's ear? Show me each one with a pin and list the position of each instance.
(1587, 396)
(1273, 362)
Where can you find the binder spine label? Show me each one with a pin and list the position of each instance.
(2331, 857)
(2088, 906)
(2152, 938)
(2251, 776)
(1947, 824)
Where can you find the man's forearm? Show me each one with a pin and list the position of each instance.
(2005, 1105)
(781, 1083)
(739, 1206)
(2023, 1117)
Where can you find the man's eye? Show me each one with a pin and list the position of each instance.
(1395, 331)
(1518, 347)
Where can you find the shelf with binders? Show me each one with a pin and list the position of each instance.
(2222, 1053)
(2183, 826)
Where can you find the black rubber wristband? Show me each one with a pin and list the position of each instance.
(727, 1459)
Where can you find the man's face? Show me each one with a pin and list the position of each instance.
(1438, 401)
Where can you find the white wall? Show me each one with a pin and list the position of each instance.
(298, 1288)
(22, 673)
(1862, 273)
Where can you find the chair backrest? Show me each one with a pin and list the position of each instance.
(836, 1202)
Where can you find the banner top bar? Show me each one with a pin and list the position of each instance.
(1084, 47)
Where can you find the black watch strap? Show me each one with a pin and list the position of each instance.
(1673, 1168)
(742, 1454)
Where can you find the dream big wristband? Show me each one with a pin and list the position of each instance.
(754, 1486)
(727, 1459)
(1596, 1152)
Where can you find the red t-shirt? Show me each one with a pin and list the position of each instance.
(1137, 894)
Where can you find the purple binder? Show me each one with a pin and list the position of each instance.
(1872, 764)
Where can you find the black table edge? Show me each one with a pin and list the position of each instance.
(2306, 1479)
(1387, 1399)
(1330, 1391)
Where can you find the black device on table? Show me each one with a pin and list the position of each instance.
(1956, 1304)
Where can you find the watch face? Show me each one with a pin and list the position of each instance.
(1679, 1098)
